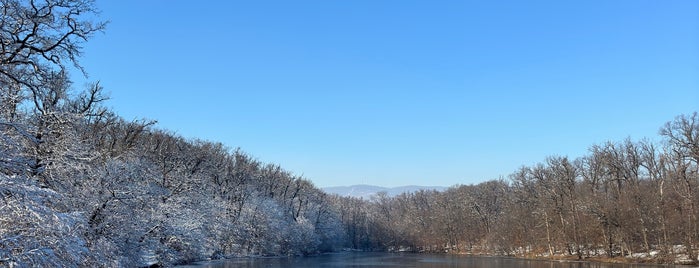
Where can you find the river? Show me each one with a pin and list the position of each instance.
(363, 259)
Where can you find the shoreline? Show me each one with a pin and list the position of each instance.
(592, 259)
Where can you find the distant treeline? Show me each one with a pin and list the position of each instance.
(623, 199)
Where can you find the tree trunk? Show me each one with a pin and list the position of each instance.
(548, 234)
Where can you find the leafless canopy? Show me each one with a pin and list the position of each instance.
(38, 38)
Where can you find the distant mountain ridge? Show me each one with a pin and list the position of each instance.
(367, 191)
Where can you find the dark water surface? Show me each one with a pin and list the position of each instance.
(363, 259)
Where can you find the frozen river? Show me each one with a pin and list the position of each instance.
(349, 259)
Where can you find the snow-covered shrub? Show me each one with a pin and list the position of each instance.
(34, 229)
(303, 237)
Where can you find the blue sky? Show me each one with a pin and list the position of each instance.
(401, 92)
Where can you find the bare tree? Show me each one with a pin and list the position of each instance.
(40, 37)
(682, 136)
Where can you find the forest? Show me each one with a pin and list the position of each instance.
(634, 201)
(81, 186)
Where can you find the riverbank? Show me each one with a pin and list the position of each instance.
(637, 258)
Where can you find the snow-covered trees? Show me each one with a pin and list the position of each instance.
(80, 186)
(40, 113)
(158, 198)
(37, 229)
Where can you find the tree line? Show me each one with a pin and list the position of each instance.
(636, 199)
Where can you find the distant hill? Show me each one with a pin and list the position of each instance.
(366, 191)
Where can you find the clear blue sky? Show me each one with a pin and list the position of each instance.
(401, 92)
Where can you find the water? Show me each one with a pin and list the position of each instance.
(367, 260)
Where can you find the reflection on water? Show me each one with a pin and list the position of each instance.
(357, 259)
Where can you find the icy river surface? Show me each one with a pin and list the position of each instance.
(366, 260)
